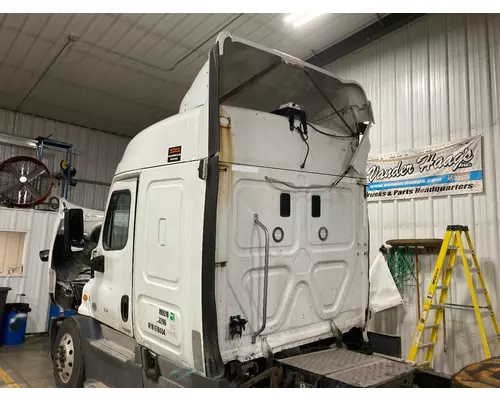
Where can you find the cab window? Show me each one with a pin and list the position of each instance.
(115, 233)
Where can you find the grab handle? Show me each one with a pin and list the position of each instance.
(266, 276)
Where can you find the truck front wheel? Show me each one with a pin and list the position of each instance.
(68, 360)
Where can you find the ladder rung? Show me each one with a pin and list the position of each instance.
(466, 251)
(473, 269)
(424, 364)
(426, 345)
(432, 326)
(494, 337)
(480, 290)
(436, 306)
(442, 287)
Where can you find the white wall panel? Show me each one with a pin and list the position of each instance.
(96, 154)
(33, 282)
(434, 81)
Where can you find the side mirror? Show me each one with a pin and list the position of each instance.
(44, 255)
(97, 264)
(73, 230)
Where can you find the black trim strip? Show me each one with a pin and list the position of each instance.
(213, 102)
(214, 366)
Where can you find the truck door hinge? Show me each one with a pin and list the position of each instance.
(203, 169)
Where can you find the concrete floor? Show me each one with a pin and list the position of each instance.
(27, 365)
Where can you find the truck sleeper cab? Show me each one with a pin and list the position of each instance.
(235, 235)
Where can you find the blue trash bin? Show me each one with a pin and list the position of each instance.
(14, 322)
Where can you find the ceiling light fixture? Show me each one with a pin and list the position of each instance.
(298, 19)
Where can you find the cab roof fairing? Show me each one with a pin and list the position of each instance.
(255, 77)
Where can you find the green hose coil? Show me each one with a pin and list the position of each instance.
(401, 263)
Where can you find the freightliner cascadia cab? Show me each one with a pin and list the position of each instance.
(235, 232)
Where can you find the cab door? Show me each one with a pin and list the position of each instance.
(167, 276)
(111, 290)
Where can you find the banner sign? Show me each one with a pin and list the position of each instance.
(451, 168)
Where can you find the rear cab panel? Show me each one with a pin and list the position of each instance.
(318, 269)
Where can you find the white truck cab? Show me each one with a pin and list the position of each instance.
(235, 234)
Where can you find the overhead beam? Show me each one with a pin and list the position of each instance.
(383, 27)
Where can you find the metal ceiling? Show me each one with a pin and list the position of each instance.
(122, 72)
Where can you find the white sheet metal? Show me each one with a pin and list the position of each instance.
(432, 82)
(33, 283)
(384, 293)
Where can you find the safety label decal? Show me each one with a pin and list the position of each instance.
(174, 154)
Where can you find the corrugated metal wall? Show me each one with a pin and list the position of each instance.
(39, 226)
(96, 156)
(434, 81)
(96, 153)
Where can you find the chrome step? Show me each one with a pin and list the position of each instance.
(432, 326)
(426, 345)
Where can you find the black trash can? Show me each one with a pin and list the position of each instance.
(3, 299)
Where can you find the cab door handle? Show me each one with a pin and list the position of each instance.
(124, 308)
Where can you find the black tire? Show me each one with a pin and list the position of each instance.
(77, 378)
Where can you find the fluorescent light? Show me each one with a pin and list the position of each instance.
(305, 19)
(298, 19)
(292, 17)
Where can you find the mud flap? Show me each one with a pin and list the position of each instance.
(150, 364)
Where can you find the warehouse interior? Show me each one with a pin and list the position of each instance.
(75, 89)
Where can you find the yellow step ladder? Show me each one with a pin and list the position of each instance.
(454, 236)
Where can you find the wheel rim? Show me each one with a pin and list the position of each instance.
(65, 358)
